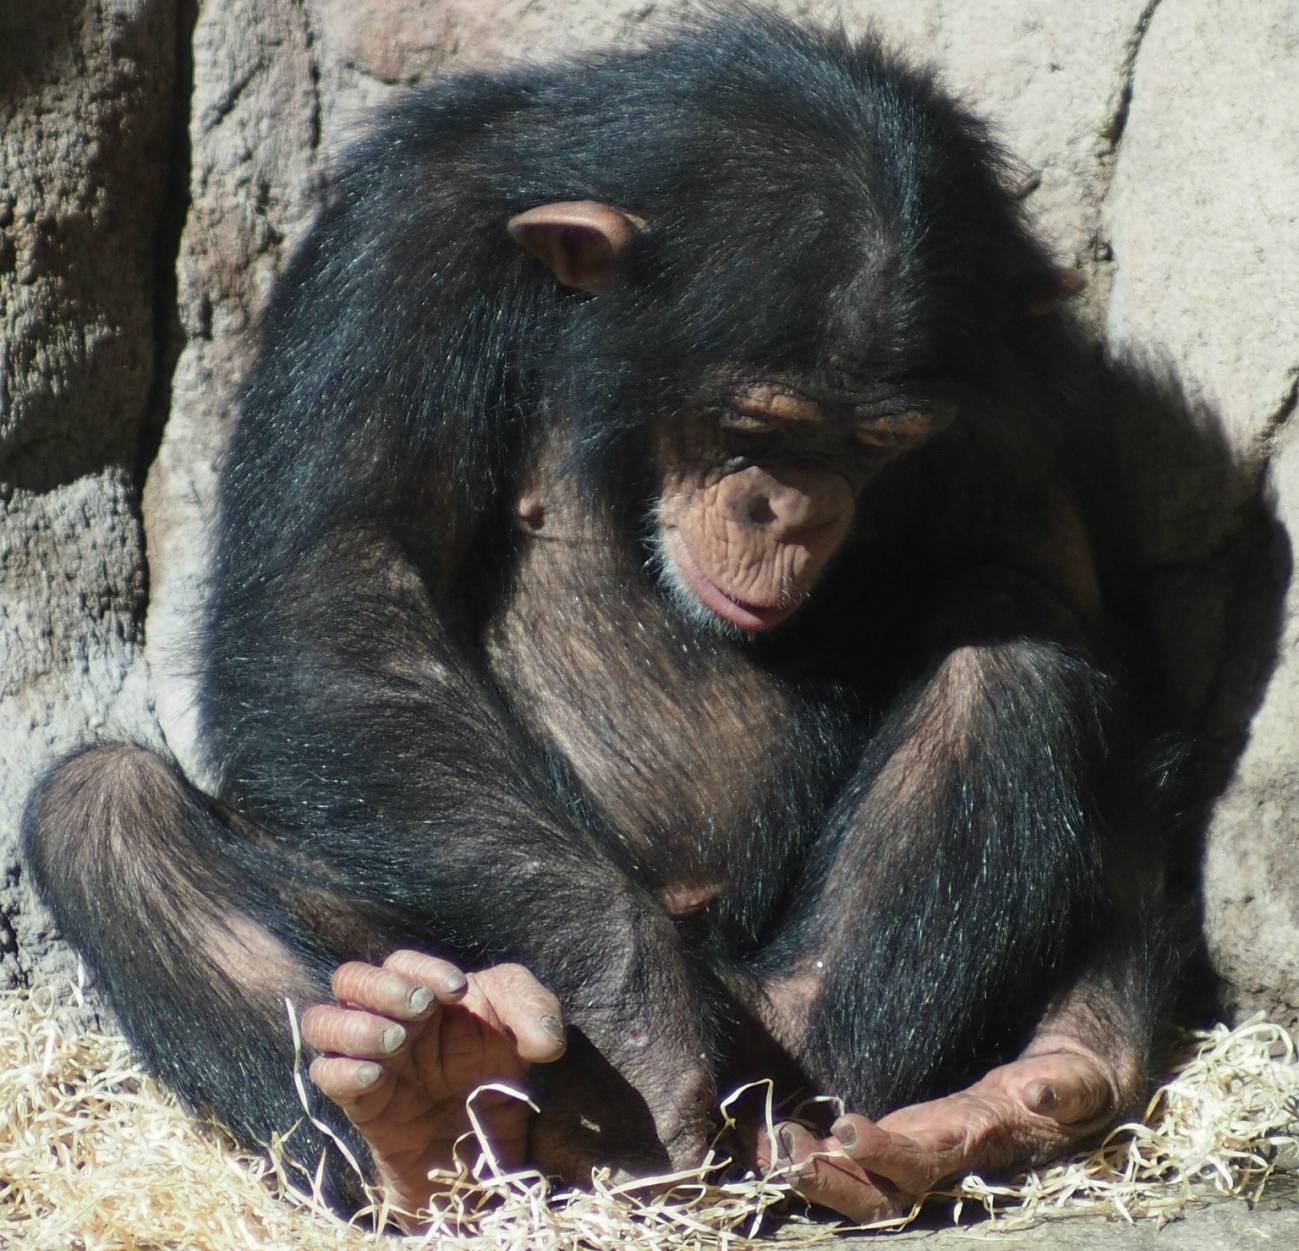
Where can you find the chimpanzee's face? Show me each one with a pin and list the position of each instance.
(757, 496)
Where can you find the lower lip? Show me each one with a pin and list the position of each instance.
(752, 617)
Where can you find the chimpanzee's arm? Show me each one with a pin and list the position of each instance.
(995, 886)
(356, 727)
(344, 697)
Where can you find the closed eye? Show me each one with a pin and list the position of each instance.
(746, 423)
(899, 431)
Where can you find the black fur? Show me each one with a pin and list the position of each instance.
(428, 733)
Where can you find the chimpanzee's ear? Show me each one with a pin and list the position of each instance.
(1051, 287)
(579, 241)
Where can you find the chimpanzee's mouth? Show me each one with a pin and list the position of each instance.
(730, 608)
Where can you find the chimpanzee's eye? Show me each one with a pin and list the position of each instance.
(746, 423)
(898, 431)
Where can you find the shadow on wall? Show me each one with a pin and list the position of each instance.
(1209, 579)
(38, 45)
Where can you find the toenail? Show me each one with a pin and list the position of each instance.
(368, 1074)
(1042, 1097)
(392, 1038)
(555, 1028)
(420, 998)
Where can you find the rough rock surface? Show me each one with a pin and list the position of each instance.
(85, 125)
(1203, 214)
(157, 163)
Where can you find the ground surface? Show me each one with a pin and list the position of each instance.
(1224, 1225)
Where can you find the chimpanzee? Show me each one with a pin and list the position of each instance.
(658, 620)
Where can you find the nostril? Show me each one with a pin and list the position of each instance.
(761, 512)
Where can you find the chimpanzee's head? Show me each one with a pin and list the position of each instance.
(757, 470)
(779, 319)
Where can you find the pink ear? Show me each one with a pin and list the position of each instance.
(1053, 287)
(579, 241)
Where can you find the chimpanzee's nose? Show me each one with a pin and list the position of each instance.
(788, 504)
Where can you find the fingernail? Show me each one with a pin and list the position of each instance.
(845, 1132)
(392, 1038)
(368, 1074)
(420, 998)
(454, 982)
(785, 1146)
(555, 1028)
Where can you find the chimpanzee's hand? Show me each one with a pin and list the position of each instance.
(1024, 1112)
(409, 1041)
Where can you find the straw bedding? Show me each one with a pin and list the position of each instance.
(94, 1155)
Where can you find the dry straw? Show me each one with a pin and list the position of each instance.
(94, 1155)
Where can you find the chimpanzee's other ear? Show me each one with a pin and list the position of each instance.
(579, 241)
(1045, 290)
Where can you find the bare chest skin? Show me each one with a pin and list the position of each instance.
(677, 739)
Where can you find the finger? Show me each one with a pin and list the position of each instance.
(381, 990)
(442, 977)
(1069, 1089)
(527, 1011)
(893, 1157)
(348, 1032)
(821, 1174)
(345, 1081)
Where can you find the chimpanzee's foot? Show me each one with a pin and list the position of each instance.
(1024, 1112)
(409, 1041)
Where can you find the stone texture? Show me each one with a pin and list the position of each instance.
(1203, 214)
(1052, 77)
(85, 107)
(254, 167)
(1251, 871)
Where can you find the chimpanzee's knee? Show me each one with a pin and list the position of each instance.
(91, 825)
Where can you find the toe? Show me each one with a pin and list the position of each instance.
(894, 1159)
(1070, 1089)
(527, 1011)
(345, 1081)
(824, 1174)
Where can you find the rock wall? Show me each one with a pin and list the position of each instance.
(158, 161)
(86, 115)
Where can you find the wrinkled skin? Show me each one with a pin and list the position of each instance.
(406, 1044)
(1059, 1093)
(753, 509)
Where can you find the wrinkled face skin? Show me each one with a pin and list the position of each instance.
(756, 499)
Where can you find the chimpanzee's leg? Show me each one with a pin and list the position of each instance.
(987, 888)
(198, 959)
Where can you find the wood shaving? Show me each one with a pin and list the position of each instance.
(95, 1156)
